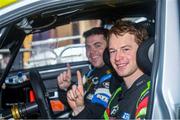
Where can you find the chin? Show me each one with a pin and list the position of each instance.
(120, 73)
(95, 65)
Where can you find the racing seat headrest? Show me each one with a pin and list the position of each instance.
(106, 58)
(145, 55)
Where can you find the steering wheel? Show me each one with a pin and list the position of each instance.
(41, 96)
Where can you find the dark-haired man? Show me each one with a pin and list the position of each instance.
(90, 99)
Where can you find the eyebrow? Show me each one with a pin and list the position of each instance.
(126, 46)
(97, 43)
(121, 47)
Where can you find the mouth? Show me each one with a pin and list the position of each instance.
(94, 58)
(121, 66)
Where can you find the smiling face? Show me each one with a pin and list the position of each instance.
(95, 46)
(123, 56)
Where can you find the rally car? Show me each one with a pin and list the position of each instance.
(38, 38)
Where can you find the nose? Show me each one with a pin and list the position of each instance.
(92, 50)
(119, 55)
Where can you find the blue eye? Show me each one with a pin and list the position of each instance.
(97, 46)
(126, 49)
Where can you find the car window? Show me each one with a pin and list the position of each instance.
(59, 45)
(62, 44)
(4, 58)
(72, 53)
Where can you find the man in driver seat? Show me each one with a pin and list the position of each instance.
(94, 91)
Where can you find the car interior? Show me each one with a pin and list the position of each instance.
(33, 90)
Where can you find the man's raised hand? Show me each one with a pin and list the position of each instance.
(75, 96)
(64, 79)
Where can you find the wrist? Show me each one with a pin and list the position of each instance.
(65, 88)
(62, 88)
(77, 110)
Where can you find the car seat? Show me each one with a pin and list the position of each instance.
(145, 55)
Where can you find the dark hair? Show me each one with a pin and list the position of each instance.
(96, 31)
(123, 27)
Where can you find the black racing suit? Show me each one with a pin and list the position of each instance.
(129, 103)
(97, 93)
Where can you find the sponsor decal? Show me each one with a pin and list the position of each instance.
(101, 99)
(90, 96)
(105, 77)
(106, 85)
(114, 110)
(126, 116)
(95, 80)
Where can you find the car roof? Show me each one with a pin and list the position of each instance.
(99, 8)
(42, 15)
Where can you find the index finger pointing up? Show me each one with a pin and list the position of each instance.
(79, 77)
(68, 69)
(80, 82)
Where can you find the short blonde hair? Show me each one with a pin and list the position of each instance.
(122, 27)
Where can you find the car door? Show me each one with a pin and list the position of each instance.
(165, 99)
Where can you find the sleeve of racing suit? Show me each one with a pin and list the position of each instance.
(141, 110)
